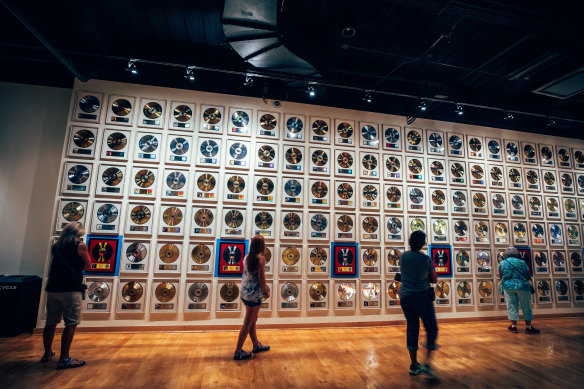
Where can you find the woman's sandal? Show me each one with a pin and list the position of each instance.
(47, 357)
(260, 348)
(69, 363)
(238, 356)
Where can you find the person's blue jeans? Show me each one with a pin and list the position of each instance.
(514, 297)
(419, 306)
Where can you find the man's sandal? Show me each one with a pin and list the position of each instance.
(260, 348)
(47, 357)
(69, 363)
(238, 356)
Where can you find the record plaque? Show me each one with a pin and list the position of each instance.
(345, 260)
(230, 255)
(442, 257)
(104, 254)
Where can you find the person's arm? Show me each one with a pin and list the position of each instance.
(433, 277)
(262, 275)
(84, 254)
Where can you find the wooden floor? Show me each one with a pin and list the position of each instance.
(474, 355)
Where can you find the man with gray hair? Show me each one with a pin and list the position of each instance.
(514, 274)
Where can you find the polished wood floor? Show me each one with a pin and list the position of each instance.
(474, 355)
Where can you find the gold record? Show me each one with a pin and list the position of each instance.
(345, 130)
(345, 223)
(392, 164)
(345, 160)
(152, 110)
(481, 228)
(265, 186)
(345, 191)
(463, 289)
(292, 221)
(531, 176)
(112, 176)
(393, 194)
(439, 227)
(201, 254)
(543, 288)
(268, 122)
(345, 291)
(393, 289)
(394, 225)
(73, 211)
(83, 138)
(529, 151)
(501, 230)
(268, 255)
(479, 199)
(498, 200)
(318, 256)
(293, 155)
(229, 292)
(369, 162)
(140, 214)
(437, 168)
(569, 205)
(369, 192)
(575, 259)
(198, 292)
(393, 257)
(319, 189)
(320, 127)
(204, 217)
(414, 138)
(549, 178)
(500, 256)
(415, 166)
(475, 144)
(496, 173)
(212, 116)
(117, 141)
(462, 258)
(183, 113)
(370, 224)
(457, 170)
(121, 107)
(165, 292)
(567, 180)
(291, 256)
(172, 216)
(485, 288)
(132, 292)
(168, 253)
(263, 220)
(572, 232)
(319, 157)
(417, 225)
(370, 291)
(552, 204)
(206, 182)
(233, 218)
(144, 178)
(438, 197)
(236, 184)
(266, 153)
(519, 230)
(317, 291)
(535, 203)
(477, 172)
(442, 290)
(514, 175)
(460, 227)
(370, 257)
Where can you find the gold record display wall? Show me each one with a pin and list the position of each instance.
(173, 171)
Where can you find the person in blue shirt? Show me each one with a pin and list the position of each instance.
(514, 274)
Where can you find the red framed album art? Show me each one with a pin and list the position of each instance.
(104, 253)
(525, 255)
(230, 256)
(345, 260)
(442, 257)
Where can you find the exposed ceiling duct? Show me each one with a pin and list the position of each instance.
(251, 28)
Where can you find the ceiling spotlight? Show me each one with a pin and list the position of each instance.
(310, 90)
(459, 111)
(189, 73)
(367, 97)
(508, 116)
(348, 32)
(132, 67)
(551, 123)
(423, 106)
(248, 81)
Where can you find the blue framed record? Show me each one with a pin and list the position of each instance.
(230, 255)
(104, 254)
(345, 260)
(525, 255)
(442, 257)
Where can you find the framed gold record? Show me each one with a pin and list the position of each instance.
(152, 113)
(120, 110)
(268, 125)
(320, 130)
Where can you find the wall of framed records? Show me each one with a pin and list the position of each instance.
(181, 174)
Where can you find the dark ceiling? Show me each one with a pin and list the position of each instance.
(490, 56)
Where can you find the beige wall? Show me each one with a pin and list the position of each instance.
(32, 128)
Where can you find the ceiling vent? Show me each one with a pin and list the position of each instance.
(565, 86)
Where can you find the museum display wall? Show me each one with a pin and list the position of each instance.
(171, 185)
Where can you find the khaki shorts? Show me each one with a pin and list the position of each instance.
(66, 305)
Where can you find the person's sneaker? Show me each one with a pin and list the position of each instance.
(512, 329)
(417, 369)
(532, 331)
(430, 373)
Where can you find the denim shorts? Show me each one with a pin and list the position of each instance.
(66, 305)
(252, 304)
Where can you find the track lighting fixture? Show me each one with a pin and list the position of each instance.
(132, 67)
(310, 90)
(189, 73)
(423, 106)
(367, 97)
(459, 111)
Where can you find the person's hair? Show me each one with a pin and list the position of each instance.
(417, 240)
(256, 247)
(72, 232)
(511, 252)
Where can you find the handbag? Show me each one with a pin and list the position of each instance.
(524, 276)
